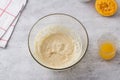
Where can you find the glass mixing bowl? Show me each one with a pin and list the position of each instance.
(62, 19)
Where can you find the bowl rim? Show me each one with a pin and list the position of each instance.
(65, 67)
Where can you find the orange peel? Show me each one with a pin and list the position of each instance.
(106, 7)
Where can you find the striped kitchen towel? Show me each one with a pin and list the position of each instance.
(10, 11)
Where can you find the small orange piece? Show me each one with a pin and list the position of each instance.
(106, 7)
(107, 50)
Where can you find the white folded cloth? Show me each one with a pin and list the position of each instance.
(10, 11)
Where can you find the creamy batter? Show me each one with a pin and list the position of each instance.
(55, 47)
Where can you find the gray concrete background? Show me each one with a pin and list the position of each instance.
(16, 62)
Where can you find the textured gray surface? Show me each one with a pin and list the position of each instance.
(16, 62)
